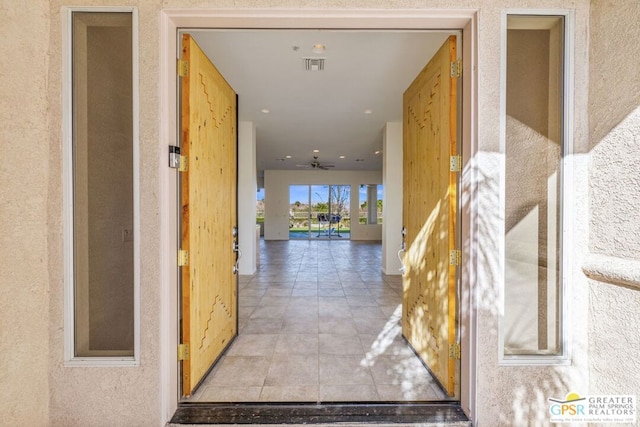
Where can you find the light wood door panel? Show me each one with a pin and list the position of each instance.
(429, 214)
(208, 201)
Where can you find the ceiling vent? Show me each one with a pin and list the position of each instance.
(314, 64)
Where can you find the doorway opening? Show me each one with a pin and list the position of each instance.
(311, 304)
(328, 242)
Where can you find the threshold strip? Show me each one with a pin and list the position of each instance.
(444, 413)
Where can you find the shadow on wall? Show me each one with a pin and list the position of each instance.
(614, 181)
(513, 396)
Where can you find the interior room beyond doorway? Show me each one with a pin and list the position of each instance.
(391, 19)
(319, 323)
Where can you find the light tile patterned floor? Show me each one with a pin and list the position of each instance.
(319, 322)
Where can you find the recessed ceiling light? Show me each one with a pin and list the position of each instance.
(342, 157)
(319, 48)
(287, 157)
(316, 151)
(368, 111)
(377, 151)
(265, 110)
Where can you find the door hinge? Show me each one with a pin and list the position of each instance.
(183, 68)
(183, 165)
(176, 161)
(455, 163)
(454, 351)
(183, 258)
(455, 257)
(183, 351)
(456, 68)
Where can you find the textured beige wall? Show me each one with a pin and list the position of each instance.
(31, 192)
(24, 189)
(108, 396)
(517, 395)
(614, 119)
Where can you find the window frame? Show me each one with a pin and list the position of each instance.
(379, 220)
(70, 359)
(566, 197)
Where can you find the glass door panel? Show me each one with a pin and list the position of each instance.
(319, 211)
(299, 211)
(339, 207)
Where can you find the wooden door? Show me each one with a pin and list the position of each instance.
(209, 216)
(429, 215)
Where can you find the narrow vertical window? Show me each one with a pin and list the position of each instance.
(534, 141)
(102, 159)
(370, 211)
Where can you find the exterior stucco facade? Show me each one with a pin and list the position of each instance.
(604, 296)
(614, 199)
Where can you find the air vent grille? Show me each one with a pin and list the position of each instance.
(314, 64)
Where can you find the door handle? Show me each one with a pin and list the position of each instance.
(236, 249)
(403, 246)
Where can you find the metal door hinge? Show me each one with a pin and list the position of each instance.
(183, 68)
(454, 351)
(455, 163)
(455, 257)
(183, 258)
(456, 68)
(183, 351)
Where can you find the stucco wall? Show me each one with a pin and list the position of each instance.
(32, 222)
(517, 395)
(24, 189)
(97, 396)
(614, 176)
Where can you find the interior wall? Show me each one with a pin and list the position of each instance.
(614, 177)
(276, 195)
(25, 189)
(247, 189)
(392, 213)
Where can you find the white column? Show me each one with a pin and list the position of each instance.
(392, 197)
(247, 189)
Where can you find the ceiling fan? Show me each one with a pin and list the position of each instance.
(315, 164)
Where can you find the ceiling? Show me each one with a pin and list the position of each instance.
(340, 110)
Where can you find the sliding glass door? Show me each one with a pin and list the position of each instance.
(319, 211)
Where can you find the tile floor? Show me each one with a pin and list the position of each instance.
(318, 322)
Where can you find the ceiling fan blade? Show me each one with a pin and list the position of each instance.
(303, 166)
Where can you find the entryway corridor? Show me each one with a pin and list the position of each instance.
(318, 322)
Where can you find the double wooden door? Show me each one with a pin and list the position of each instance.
(209, 215)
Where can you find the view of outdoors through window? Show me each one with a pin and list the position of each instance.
(324, 211)
(319, 211)
(370, 204)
